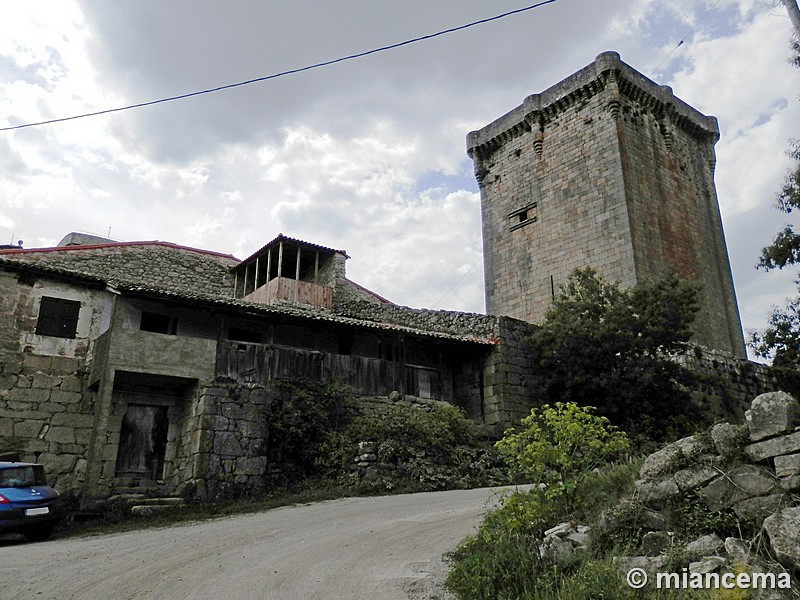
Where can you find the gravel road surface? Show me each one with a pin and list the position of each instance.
(385, 548)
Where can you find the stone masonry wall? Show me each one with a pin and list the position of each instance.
(225, 444)
(606, 170)
(45, 409)
(727, 383)
(507, 377)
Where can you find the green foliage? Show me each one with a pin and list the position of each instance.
(559, 445)
(502, 561)
(300, 416)
(781, 339)
(603, 346)
(688, 515)
(416, 449)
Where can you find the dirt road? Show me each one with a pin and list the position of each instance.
(358, 548)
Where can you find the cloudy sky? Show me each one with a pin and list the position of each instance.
(366, 155)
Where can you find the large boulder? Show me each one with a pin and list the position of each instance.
(673, 457)
(783, 529)
(746, 481)
(777, 446)
(772, 414)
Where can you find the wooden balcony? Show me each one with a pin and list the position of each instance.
(292, 290)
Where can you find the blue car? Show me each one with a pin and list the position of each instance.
(27, 504)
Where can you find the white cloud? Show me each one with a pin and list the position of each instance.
(367, 156)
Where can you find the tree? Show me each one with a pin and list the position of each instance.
(602, 346)
(780, 341)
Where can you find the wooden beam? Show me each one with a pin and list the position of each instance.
(297, 268)
(269, 263)
(280, 259)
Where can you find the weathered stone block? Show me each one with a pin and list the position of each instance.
(737, 549)
(58, 464)
(65, 397)
(704, 546)
(783, 529)
(52, 407)
(772, 414)
(83, 437)
(707, 565)
(790, 484)
(73, 420)
(787, 465)
(28, 429)
(62, 435)
(214, 423)
(256, 465)
(44, 381)
(64, 365)
(34, 363)
(671, 457)
(785, 444)
(31, 395)
(728, 438)
(739, 484)
(760, 506)
(71, 383)
(655, 494)
(688, 479)
(6, 428)
(226, 444)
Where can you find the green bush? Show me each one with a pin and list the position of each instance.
(559, 445)
(564, 450)
(416, 449)
(299, 418)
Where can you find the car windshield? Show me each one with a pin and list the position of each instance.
(22, 476)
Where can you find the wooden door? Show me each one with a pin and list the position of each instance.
(142, 441)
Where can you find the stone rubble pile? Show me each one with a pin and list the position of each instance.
(752, 470)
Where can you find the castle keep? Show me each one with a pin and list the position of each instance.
(609, 170)
(147, 366)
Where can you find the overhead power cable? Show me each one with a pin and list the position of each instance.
(683, 39)
(460, 279)
(283, 73)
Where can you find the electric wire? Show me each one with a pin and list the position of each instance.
(284, 73)
(683, 39)
(460, 279)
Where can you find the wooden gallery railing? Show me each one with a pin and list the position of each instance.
(246, 362)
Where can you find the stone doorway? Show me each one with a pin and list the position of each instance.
(143, 442)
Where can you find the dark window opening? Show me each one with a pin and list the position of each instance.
(239, 334)
(522, 216)
(157, 323)
(58, 317)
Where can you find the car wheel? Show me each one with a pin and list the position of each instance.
(39, 534)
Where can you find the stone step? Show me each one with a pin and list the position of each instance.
(126, 497)
(170, 501)
(147, 510)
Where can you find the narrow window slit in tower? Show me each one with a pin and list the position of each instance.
(522, 216)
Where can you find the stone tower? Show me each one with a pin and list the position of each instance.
(609, 170)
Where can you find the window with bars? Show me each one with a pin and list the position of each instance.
(58, 317)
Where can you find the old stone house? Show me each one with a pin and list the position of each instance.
(144, 363)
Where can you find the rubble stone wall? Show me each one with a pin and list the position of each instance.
(45, 409)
